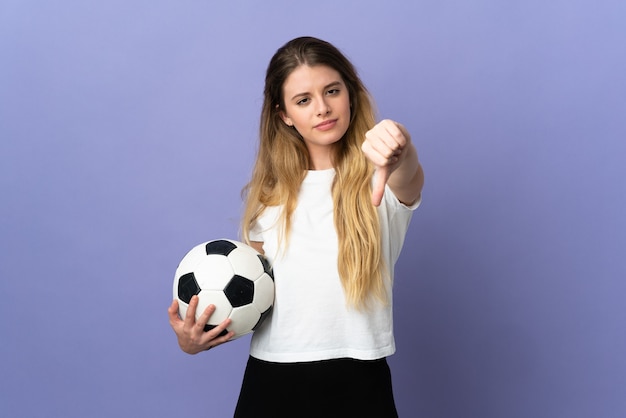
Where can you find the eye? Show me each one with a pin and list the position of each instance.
(333, 92)
(302, 101)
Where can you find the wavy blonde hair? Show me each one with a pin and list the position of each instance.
(283, 160)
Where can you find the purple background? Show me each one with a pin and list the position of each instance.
(127, 130)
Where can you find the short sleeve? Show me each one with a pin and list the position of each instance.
(256, 233)
(395, 218)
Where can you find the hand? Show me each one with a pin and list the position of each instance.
(383, 146)
(192, 338)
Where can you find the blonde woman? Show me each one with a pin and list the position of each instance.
(329, 203)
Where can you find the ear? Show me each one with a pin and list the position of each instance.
(284, 116)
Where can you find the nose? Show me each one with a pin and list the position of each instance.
(323, 107)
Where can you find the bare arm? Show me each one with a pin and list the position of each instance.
(257, 245)
(407, 180)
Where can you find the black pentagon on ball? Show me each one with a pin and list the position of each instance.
(220, 247)
(266, 266)
(208, 328)
(187, 287)
(239, 291)
(262, 318)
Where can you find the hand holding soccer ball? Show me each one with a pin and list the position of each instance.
(223, 289)
(192, 338)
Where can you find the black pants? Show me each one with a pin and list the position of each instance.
(322, 389)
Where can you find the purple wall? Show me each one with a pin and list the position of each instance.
(128, 128)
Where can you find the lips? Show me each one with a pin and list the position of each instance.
(326, 125)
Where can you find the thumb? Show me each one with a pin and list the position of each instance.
(381, 175)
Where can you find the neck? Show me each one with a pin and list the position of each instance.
(321, 158)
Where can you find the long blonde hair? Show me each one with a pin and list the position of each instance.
(283, 160)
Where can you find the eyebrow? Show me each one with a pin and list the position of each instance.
(333, 84)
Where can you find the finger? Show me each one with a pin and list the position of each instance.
(172, 312)
(398, 131)
(220, 330)
(404, 132)
(220, 334)
(190, 316)
(377, 157)
(381, 146)
(393, 134)
(203, 319)
(223, 339)
(381, 175)
(376, 147)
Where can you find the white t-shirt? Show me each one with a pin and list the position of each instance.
(311, 320)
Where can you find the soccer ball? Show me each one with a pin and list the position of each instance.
(230, 275)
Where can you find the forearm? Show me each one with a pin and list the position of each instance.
(407, 180)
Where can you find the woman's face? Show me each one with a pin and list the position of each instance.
(317, 105)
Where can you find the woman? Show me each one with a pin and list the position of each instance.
(329, 203)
